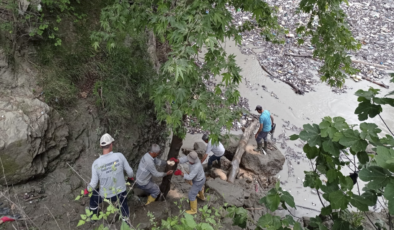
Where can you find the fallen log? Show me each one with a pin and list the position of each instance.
(379, 84)
(240, 151)
(296, 90)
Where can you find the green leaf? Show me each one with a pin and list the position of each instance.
(311, 134)
(338, 200)
(340, 123)
(190, 221)
(239, 215)
(81, 222)
(311, 152)
(331, 175)
(346, 182)
(378, 177)
(294, 137)
(312, 180)
(288, 220)
(363, 157)
(78, 197)
(297, 226)
(369, 131)
(269, 222)
(385, 158)
(289, 199)
(366, 109)
(368, 95)
(351, 138)
(124, 226)
(340, 224)
(389, 195)
(271, 200)
(332, 147)
(326, 210)
(205, 226)
(358, 202)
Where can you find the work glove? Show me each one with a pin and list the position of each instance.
(174, 159)
(6, 219)
(85, 192)
(130, 180)
(178, 172)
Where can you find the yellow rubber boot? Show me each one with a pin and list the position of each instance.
(193, 207)
(150, 200)
(200, 195)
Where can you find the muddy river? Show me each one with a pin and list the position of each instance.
(290, 109)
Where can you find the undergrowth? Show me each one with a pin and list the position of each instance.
(117, 79)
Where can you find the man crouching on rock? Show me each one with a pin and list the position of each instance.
(108, 169)
(196, 175)
(266, 121)
(147, 169)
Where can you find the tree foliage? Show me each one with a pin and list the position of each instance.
(195, 32)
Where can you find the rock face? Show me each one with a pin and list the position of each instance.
(267, 165)
(31, 136)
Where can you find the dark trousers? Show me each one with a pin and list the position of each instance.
(96, 200)
(212, 159)
(262, 136)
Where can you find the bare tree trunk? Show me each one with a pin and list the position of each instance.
(175, 146)
(240, 151)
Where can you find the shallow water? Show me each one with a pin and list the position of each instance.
(299, 110)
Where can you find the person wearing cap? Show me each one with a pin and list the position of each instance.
(196, 175)
(147, 169)
(218, 151)
(109, 169)
(266, 121)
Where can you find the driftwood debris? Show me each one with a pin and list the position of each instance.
(379, 84)
(354, 61)
(240, 151)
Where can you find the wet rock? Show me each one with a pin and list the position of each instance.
(267, 165)
(32, 135)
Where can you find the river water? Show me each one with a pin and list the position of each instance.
(298, 110)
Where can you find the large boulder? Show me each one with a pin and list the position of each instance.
(267, 165)
(32, 135)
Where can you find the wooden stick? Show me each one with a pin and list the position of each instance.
(35, 198)
(240, 151)
(379, 84)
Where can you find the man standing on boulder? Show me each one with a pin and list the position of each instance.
(109, 169)
(196, 175)
(266, 121)
(147, 169)
(218, 151)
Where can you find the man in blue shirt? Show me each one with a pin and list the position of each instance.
(266, 121)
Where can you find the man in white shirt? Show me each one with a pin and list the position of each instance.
(218, 151)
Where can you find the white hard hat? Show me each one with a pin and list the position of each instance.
(106, 139)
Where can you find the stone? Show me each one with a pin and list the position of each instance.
(267, 165)
(219, 173)
(200, 148)
(225, 163)
(233, 195)
(32, 134)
